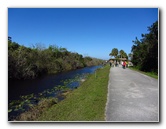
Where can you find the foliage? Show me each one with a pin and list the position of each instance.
(86, 103)
(30, 63)
(123, 54)
(114, 52)
(28, 103)
(35, 111)
(118, 54)
(145, 51)
(150, 74)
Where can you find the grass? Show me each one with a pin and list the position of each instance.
(35, 111)
(86, 103)
(151, 74)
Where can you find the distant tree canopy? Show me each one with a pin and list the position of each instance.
(118, 54)
(145, 51)
(114, 52)
(29, 63)
(123, 54)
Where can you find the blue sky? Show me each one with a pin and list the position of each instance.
(88, 31)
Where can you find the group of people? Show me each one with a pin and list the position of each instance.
(124, 64)
(116, 64)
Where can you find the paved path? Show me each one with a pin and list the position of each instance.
(132, 96)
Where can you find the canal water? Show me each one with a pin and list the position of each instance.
(36, 86)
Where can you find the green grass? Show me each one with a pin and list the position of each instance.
(86, 103)
(151, 74)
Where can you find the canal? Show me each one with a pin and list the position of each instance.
(18, 89)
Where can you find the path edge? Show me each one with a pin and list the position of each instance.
(107, 95)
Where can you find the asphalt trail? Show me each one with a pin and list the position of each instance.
(132, 97)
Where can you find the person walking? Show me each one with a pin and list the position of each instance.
(118, 63)
(124, 64)
(110, 64)
(114, 63)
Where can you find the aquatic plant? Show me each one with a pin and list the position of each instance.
(58, 92)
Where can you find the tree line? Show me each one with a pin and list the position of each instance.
(29, 63)
(118, 54)
(145, 51)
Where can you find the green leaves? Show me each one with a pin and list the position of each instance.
(114, 52)
(30, 63)
(145, 51)
(29, 101)
(10, 110)
(27, 97)
(118, 54)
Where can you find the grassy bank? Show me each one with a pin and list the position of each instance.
(87, 103)
(151, 74)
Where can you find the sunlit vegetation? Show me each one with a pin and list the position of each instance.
(118, 54)
(30, 63)
(86, 103)
(145, 51)
(32, 102)
(151, 74)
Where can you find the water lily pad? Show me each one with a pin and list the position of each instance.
(10, 110)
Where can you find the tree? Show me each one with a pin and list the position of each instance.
(123, 54)
(30, 63)
(114, 52)
(9, 39)
(145, 51)
(130, 55)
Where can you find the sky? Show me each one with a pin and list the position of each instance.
(91, 32)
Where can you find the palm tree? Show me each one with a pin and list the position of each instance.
(121, 52)
(114, 52)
